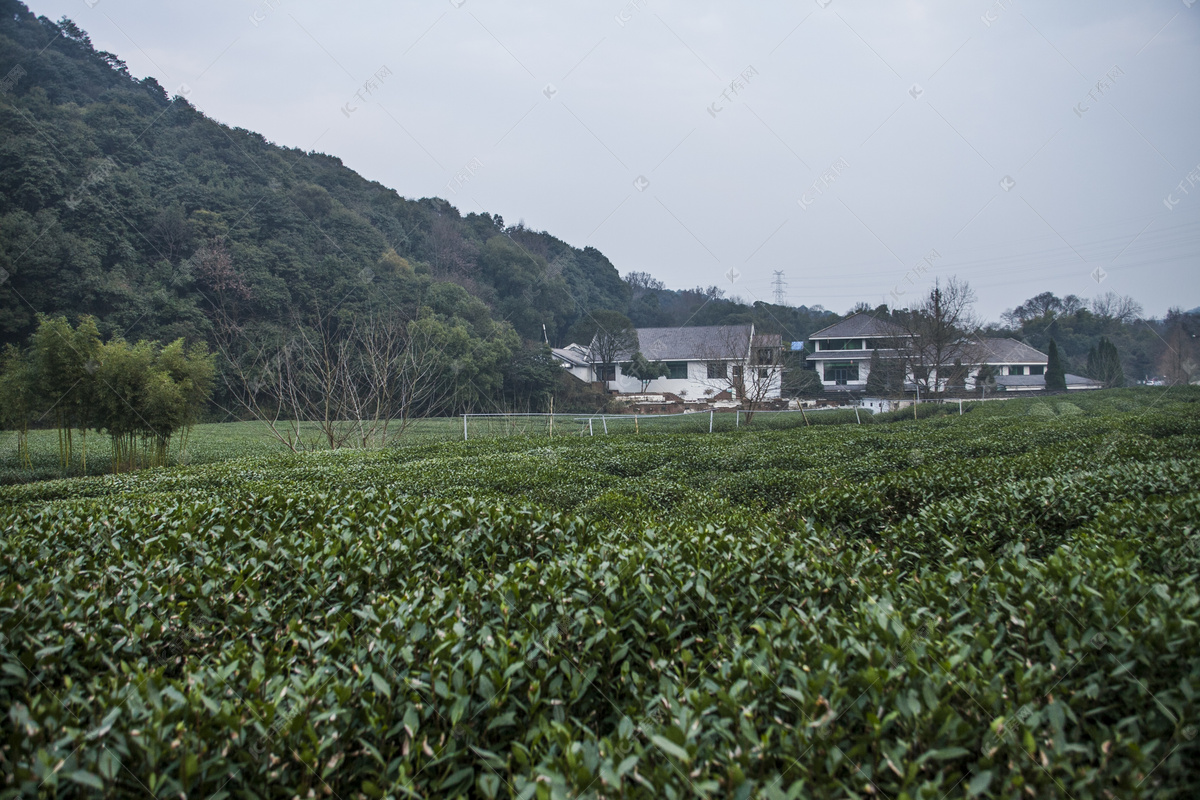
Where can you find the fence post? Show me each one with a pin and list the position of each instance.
(464, 427)
(710, 420)
(590, 432)
(960, 408)
(737, 418)
(604, 422)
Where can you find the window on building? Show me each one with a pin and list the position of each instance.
(766, 355)
(606, 372)
(841, 372)
(716, 369)
(677, 370)
(1016, 370)
(1037, 370)
(763, 373)
(737, 370)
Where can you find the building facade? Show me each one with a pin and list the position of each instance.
(701, 362)
(841, 354)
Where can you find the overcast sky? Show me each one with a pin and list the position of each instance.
(1025, 147)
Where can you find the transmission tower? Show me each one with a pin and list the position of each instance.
(779, 285)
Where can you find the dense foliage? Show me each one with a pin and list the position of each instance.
(1002, 604)
(140, 395)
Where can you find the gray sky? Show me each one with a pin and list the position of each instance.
(1021, 146)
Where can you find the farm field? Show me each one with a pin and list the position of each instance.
(212, 443)
(1002, 604)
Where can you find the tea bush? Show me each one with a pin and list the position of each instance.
(997, 605)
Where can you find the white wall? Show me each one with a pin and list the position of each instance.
(691, 388)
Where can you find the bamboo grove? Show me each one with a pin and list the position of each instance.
(141, 395)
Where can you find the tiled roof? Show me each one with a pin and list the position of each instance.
(1020, 380)
(1010, 351)
(859, 325)
(573, 355)
(694, 344)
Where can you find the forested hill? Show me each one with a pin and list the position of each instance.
(120, 201)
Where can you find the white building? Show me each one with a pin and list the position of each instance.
(701, 362)
(841, 355)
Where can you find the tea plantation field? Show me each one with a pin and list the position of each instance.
(1003, 604)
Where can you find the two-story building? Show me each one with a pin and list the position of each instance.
(841, 353)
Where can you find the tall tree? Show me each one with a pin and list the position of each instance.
(751, 369)
(1104, 364)
(985, 378)
(1056, 379)
(1178, 363)
(614, 338)
(1112, 306)
(936, 333)
(17, 398)
(876, 380)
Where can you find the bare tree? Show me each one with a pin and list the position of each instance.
(213, 265)
(936, 333)
(452, 254)
(1122, 308)
(361, 380)
(1179, 360)
(1072, 303)
(748, 367)
(642, 282)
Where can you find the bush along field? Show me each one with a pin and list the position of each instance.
(1002, 604)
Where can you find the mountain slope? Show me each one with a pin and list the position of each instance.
(118, 201)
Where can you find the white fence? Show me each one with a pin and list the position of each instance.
(475, 426)
(478, 426)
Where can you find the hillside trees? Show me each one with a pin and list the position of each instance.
(120, 202)
(1077, 327)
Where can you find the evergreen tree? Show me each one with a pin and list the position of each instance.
(985, 378)
(876, 378)
(957, 378)
(1056, 379)
(645, 370)
(1104, 364)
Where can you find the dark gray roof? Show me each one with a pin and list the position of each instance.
(570, 356)
(1010, 351)
(1020, 380)
(1040, 380)
(857, 326)
(694, 344)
